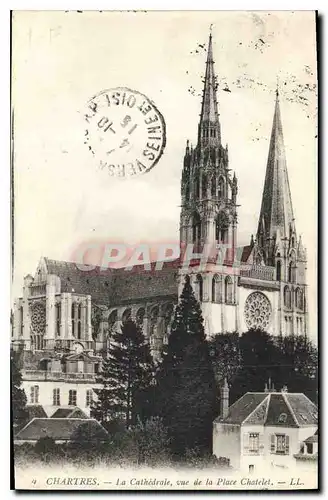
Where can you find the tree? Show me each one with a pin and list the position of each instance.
(186, 381)
(299, 365)
(151, 441)
(125, 378)
(88, 436)
(96, 317)
(225, 356)
(18, 396)
(250, 360)
(259, 361)
(46, 448)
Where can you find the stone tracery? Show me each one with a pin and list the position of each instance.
(257, 310)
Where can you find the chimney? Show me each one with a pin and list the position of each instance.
(269, 387)
(224, 401)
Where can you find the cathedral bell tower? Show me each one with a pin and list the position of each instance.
(208, 201)
(277, 244)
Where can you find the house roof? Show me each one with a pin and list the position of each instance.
(139, 282)
(61, 429)
(272, 409)
(115, 285)
(96, 282)
(312, 439)
(69, 413)
(242, 408)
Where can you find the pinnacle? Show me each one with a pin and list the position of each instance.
(276, 210)
(209, 126)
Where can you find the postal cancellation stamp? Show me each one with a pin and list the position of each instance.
(124, 131)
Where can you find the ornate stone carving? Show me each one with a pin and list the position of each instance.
(38, 317)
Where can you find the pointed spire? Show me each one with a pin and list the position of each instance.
(276, 210)
(209, 126)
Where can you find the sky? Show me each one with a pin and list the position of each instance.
(61, 59)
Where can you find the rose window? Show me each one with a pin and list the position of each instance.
(38, 318)
(257, 311)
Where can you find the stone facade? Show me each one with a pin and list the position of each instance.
(65, 311)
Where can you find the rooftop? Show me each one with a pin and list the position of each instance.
(272, 409)
(69, 413)
(112, 286)
(62, 429)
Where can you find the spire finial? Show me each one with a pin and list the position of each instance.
(211, 26)
(277, 87)
(209, 126)
(276, 213)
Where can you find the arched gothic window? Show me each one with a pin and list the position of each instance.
(197, 186)
(287, 297)
(204, 186)
(292, 268)
(79, 321)
(187, 190)
(21, 321)
(196, 228)
(153, 321)
(221, 188)
(299, 298)
(221, 228)
(168, 312)
(140, 317)
(112, 319)
(278, 270)
(213, 185)
(292, 272)
(199, 288)
(213, 289)
(79, 330)
(296, 296)
(58, 318)
(126, 316)
(216, 289)
(73, 318)
(228, 290)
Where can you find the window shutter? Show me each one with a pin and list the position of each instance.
(273, 443)
(287, 445)
(246, 442)
(261, 442)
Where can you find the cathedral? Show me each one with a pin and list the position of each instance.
(64, 320)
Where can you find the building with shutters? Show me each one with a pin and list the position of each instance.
(66, 316)
(265, 429)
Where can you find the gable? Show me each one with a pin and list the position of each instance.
(279, 414)
(242, 408)
(69, 413)
(258, 416)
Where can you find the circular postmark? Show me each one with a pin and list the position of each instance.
(124, 131)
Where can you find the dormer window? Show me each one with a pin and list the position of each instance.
(309, 448)
(282, 419)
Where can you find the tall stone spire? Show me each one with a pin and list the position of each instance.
(209, 132)
(276, 217)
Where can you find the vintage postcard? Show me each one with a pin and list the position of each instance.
(164, 244)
